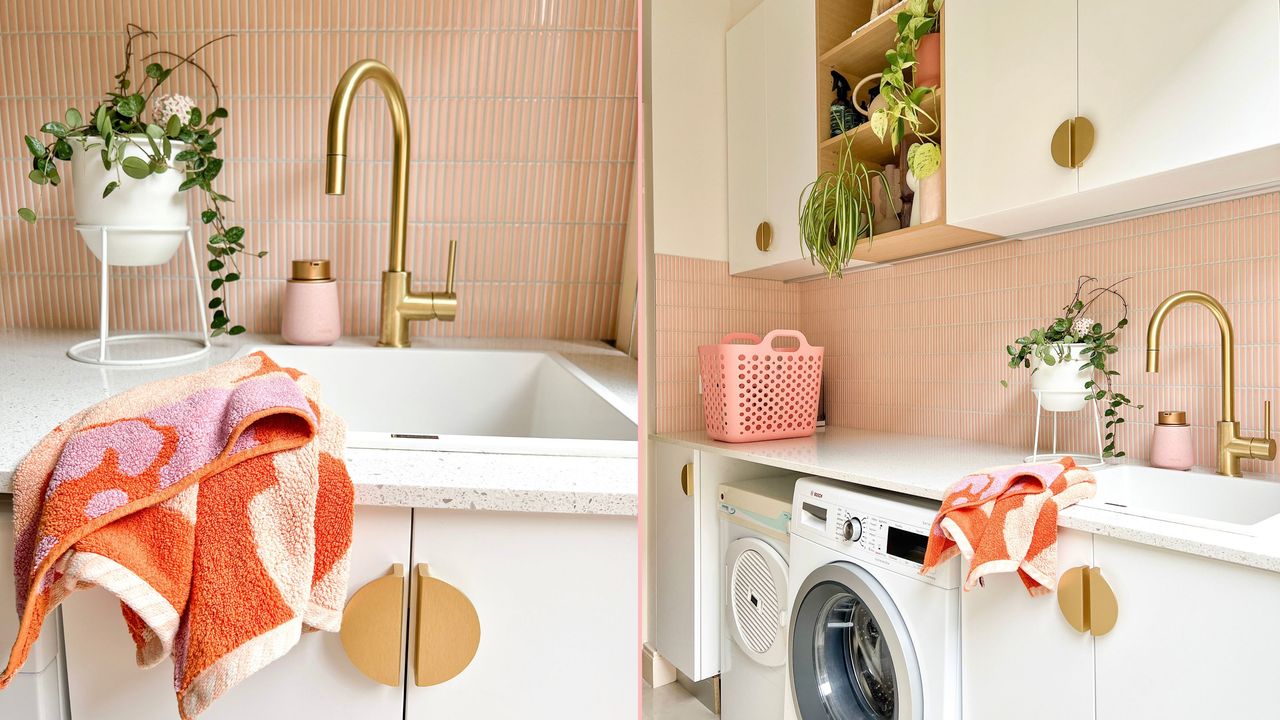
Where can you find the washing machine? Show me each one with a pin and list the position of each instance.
(754, 518)
(871, 638)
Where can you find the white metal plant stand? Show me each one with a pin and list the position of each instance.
(1084, 460)
(95, 351)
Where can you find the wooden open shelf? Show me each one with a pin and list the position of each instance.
(856, 56)
(864, 144)
(862, 53)
(910, 242)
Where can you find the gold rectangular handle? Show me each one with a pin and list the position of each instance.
(453, 259)
(447, 634)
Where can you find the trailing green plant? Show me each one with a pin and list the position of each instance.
(836, 212)
(120, 122)
(903, 113)
(1075, 325)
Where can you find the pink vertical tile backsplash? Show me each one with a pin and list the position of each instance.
(920, 347)
(523, 143)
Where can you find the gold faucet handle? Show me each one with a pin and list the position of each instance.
(453, 259)
(1266, 419)
(1264, 448)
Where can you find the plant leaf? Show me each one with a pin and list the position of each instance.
(73, 118)
(130, 105)
(155, 132)
(110, 187)
(135, 167)
(36, 147)
(55, 128)
(154, 71)
(27, 214)
(173, 127)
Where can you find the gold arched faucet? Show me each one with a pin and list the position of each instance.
(1232, 447)
(399, 303)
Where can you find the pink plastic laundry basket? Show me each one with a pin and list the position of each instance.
(757, 391)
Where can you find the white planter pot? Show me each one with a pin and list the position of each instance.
(1062, 384)
(152, 202)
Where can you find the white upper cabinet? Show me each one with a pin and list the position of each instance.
(1007, 91)
(1168, 86)
(771, 100)
(1184, 103)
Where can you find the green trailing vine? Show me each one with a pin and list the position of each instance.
(120, 122)
(903, 113)
(1049, 345)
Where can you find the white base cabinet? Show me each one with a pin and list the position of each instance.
(315, 680)
(557, 599)
(1013, 644)
(1195, 638)
(36, 692)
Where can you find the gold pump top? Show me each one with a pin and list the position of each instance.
(316, 270)
(1176, 418)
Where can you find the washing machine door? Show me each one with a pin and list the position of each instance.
(851, 654)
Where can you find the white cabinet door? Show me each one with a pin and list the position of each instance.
(556, 597)
(1167, 86)
(315, 680)
(1010, 81)
(789, 116)
(747, 138)
(35, 693)
(677, 563)
(1015, 643)
(1194, 637)
(772, 134)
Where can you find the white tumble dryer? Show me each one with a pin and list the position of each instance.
(754, 517)
(871, 638)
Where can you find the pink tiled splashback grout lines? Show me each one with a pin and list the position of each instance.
(523, 142)
(919, 347)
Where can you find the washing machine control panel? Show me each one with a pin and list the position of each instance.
(866, 535)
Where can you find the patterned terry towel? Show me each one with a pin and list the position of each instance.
(1006, 519)
(215, 506)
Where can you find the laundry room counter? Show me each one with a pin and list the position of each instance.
(925, 466)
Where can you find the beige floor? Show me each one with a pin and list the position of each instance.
(671, 702)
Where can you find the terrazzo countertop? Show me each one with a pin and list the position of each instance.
(925, 466)
(40, 387)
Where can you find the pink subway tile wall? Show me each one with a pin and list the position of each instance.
(523, 143)
(920, 347)
(697, 303)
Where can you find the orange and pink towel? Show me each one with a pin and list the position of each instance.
(1006, 520)
(215, 506)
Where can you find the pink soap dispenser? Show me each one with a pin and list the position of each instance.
(1171, 441)
(310, 315)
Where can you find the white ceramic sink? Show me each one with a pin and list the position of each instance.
(465, 400)
(1196, 497)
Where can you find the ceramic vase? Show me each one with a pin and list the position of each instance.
(887, 206)
(152, 202)
(1062, 384)
(927, 72)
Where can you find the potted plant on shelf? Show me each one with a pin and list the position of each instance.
(132, 166)
(837, 211)
(905, 85)
(1068, 358)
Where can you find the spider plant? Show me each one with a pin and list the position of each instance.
(836, 212)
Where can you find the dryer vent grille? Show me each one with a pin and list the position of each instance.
(755, 601)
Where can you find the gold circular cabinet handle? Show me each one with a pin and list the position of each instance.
(764, 236)
(371, 626)
(1087, 600)
(448, 631)
(686, 479)
(1072, 142)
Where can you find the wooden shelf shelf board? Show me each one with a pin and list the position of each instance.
(863, 52)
